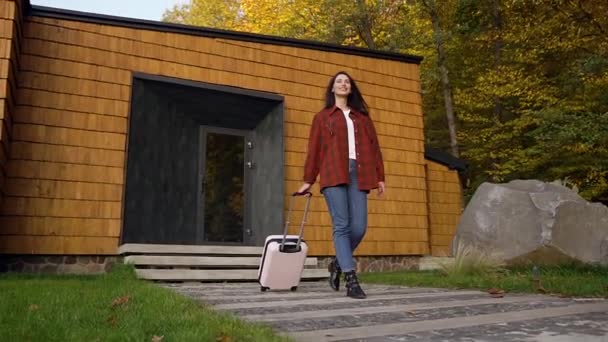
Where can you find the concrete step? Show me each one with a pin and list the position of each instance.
(215, 275)
(201, 261)
(155, 249)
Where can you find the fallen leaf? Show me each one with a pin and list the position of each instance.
(34, 307)
(112, 320)
(410, 312)
(495, 291)
(120, 300)
(224, 338)
(157, 338)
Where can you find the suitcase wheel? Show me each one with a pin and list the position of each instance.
(263, 288)
(293, 288)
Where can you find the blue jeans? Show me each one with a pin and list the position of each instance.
(348, 209)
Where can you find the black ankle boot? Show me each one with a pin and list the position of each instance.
(334, 274)
(353, 289)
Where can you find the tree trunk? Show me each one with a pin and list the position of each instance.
(431, 7)
(364, 24)
(498, 44)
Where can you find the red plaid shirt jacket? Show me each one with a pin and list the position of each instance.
(328, 150)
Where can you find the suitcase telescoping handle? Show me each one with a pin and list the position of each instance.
(308, 195)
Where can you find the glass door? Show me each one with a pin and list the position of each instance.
(224, 183)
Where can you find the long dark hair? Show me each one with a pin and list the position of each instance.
(355, 99)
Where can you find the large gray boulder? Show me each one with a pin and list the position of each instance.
(532, 221)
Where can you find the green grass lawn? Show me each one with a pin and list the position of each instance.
(588, 281)
(111, 307)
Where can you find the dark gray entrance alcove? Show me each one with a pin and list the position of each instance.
(179, 130)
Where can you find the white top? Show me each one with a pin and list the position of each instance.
(352, 153)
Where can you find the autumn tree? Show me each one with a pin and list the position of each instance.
(528, 78)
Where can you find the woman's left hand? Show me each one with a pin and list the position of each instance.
(380, 189)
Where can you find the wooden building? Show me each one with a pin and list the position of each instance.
(121, 131)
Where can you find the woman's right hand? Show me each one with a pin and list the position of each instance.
(304, 187)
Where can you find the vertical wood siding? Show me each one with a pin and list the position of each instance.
(445, 207)
(10, 44)
(65, 175)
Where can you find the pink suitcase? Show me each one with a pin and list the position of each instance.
(284, 255)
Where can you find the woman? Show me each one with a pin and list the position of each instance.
(343, 148)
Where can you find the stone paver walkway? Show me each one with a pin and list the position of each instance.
(395, 313)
